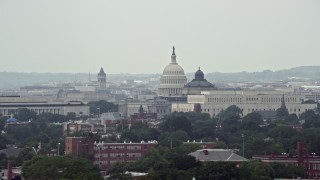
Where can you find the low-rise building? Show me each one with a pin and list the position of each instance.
(224, 155)
(310, 161)
(78, 108)
(159, 106)
(70, 128)
(106, 154)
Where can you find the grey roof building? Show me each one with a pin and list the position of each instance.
(198, 84)
(111, 116)
(224, 155)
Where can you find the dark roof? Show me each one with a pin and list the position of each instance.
(217, 155)
(111, 116)
(102, 71)
(199, 74)
(199, 83)
(199, 80)
(267, 113)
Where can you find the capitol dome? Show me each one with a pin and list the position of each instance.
(172, 79)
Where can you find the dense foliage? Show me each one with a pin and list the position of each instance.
(43, 167)
(164, 163)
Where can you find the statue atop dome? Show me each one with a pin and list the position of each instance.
(173, 56)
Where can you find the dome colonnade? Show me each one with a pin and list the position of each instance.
(172, 79)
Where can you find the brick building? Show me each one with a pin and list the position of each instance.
(309, 161)
(80, 146)
(106, 154)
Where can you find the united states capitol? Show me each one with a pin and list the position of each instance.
(172, 92)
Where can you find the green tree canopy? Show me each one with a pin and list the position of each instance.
(43, 167)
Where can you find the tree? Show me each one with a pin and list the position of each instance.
(202, 129)
(311, 119)
(118, 170)
(256, 170)
(217, 170)
(141, 111)
(282, 112)
(43, 167)
(232, 111)
(251, 122)
(173, 139)
(26, 154)
(139, 132)
(3, 161)
(2, 124)
(154, 160)
(174, 123)
(25, 114)
(287, 171)
(230, 118)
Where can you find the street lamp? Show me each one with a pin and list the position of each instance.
(242, 135)
(99, 112)
(58, 149)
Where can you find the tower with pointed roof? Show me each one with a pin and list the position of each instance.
(102, 80)
(172, 79)
(282, 111)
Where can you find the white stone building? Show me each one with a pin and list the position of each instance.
(160, 106)
(213, 102)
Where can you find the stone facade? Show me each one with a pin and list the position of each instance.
(213, 102)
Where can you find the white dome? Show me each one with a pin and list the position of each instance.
(172, 79)
(173, 69)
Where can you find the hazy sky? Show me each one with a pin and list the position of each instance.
(136, 36)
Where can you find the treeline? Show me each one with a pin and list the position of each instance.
(229, 129)
(164, 163)
(39, 131)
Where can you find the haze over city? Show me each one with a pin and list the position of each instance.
(137, 36)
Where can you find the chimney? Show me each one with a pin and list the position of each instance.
(206, 152)
(9, 174)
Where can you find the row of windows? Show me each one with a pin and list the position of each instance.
(278, 100)
(15, 111)
(164, 81)
(116, 154)
(104, 155)
(224, 99)
(134, 147)
(220, 99)
(101, 155)
(161, 110)
(174, 72)
(117, 147)
(218, 110)
(252, 110)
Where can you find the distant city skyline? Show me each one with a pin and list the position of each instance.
(79, 36)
